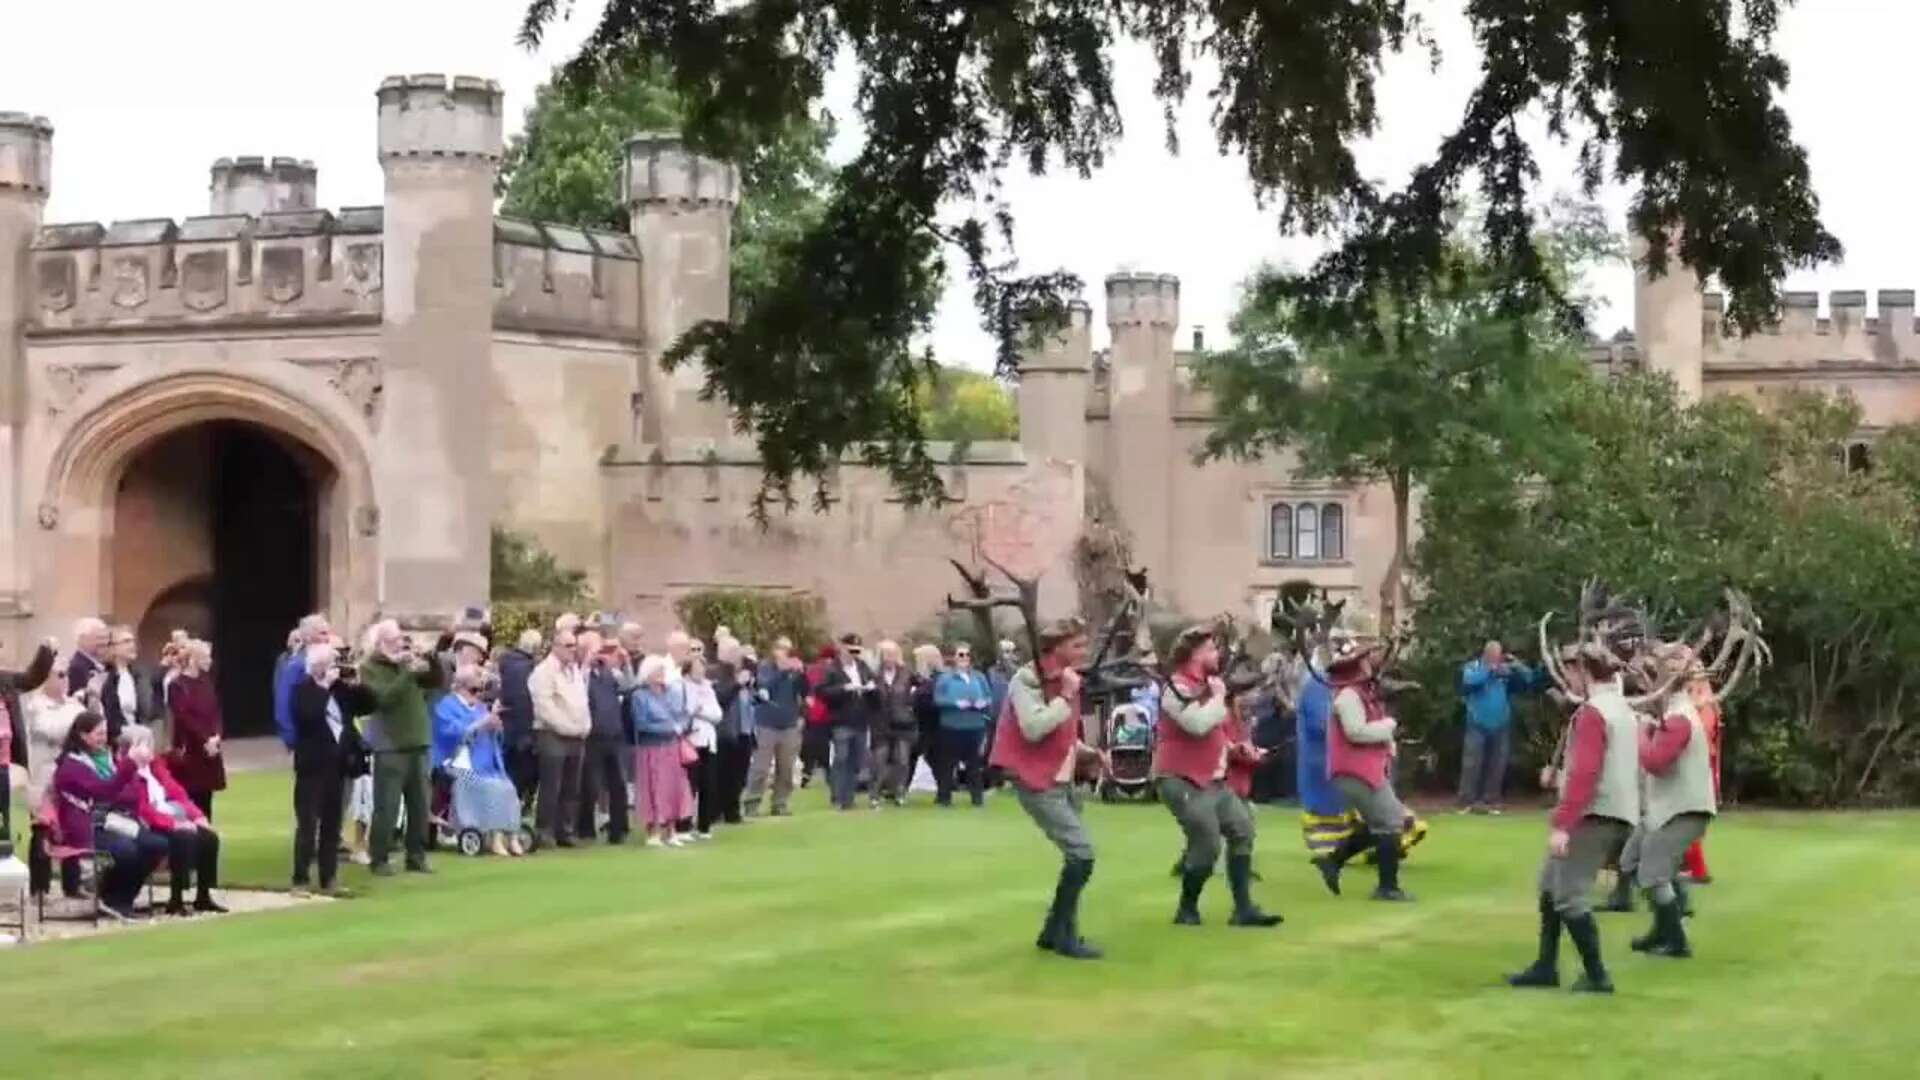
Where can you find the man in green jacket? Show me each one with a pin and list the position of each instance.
(400, 733)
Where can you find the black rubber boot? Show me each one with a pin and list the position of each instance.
(1386, 852)
(1621, 898)
(1669, 937)
(1683, 897)
(1545, 971)
(1191, 883)
(1245, 911)
(1656, 933)
(1050, 930)
(1331, 863)
(1586, 939)
(1068, 942)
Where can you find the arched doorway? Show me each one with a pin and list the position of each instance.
(216, 531)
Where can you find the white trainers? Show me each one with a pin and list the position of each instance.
(708, 835)
(654, 841)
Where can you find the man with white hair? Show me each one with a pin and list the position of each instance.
(401, 736)
(291, 668)
(561, 723)
(516, 713)
(89, 659)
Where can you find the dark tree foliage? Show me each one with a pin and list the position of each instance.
(1677, 98)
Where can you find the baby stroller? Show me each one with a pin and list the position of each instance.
(1128, 741)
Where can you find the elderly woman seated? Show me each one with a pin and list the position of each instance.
(86, 784)
(173, 827)
(483, 795)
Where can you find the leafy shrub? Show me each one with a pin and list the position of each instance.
(755, 617)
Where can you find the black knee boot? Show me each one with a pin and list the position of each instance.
(1683, 897)
(1386, 852)
(1191, 884)
(1586, 938)
(1245, 911)
(1050, 930)
(1331, 863)
(1621, 898)
(1067, 939)
(1546, 967)
(1669, 934)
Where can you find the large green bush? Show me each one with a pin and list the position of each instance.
(755, 617)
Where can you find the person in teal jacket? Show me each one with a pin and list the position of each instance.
(965, 698)
(1488, 683)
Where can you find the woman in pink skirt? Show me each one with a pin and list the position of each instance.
(659, 715)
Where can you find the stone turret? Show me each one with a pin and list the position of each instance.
(1142, 312)
(1667, 319)
(1054, 375)
(26, 176)
(440, 145)
(255, 186)
(682, 206)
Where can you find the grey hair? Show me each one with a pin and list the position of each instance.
(529, 640)
(134, 735)
(470, 677)
(321, 657)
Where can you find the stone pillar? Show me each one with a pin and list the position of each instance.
(1667, 319)
(1054, 376)
(253, 186)
(1143, 454)
(26, 176)
(682, 206)
(439, 147)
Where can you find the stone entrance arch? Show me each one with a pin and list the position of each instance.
(74, 564)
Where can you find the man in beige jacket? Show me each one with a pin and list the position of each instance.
(561, 722)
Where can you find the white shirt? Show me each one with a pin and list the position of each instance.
(129, 698)
(852, 668)
(333, 718)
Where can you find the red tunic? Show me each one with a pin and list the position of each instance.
(1036, 765)
(1365, 762)
(1178, 752)
(196, 718)
(1242, 758)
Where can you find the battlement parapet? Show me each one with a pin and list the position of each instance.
(1062, 348)
(1143, 300)
(26, 153)
(558, 278)
(255, 185)
(1803, 337)
(286, 266)
(659, 170)
(434, 116)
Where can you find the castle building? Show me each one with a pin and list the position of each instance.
(224, 421)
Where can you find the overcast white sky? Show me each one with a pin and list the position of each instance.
(145, 96)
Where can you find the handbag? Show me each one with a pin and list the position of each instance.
(462, 760)
(688, 754)
(120, 825)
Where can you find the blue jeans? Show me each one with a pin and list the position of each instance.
(849, 757)
(1483, 766)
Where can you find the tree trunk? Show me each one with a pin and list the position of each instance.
(1392, 586)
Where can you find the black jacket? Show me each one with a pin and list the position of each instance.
(606, 705)
(845, 707)
(893, 712)
(315, 750)
(516, 704)
(146, 702)
(15, 683)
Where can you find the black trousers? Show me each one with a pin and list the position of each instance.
(816, 749)
(958, 749)
(193, 858)
(203, 800)
(558, 808)
(735, 759)
(523, 767)
(705, 777)
(316, 824)
(601, 773)
(926, 746)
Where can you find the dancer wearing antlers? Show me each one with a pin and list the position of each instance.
(1361, 749)
(1037, 741)
(1194, 747)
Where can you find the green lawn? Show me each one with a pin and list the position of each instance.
(900, 944)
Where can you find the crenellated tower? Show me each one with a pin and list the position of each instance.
(1054, 375)
(440, 147)
(1667, 319)
(255, 186)
(1142, 459)
(682, 206)
(26, 176)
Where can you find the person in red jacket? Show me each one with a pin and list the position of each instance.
(1037, 742)
(195, 760)
(174, 828)
(1192, 753)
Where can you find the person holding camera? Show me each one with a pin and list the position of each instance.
(466, 743)
(327, 751)
(401, 736)
(561, 723)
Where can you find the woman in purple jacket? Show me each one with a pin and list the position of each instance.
(86, 784)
